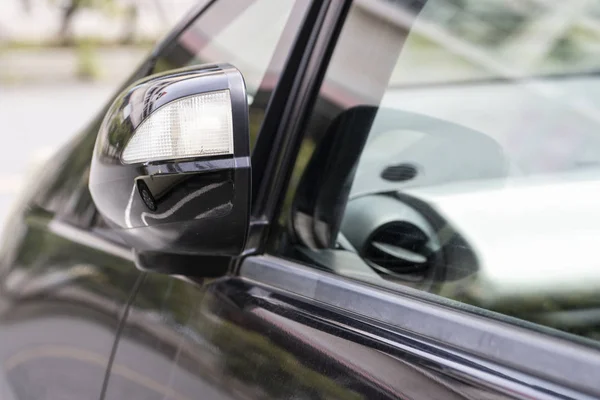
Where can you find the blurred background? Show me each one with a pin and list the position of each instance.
(60, 61)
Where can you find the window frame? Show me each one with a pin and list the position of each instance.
(296, 98)
(513, 357)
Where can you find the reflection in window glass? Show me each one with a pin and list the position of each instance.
(466, 40)
(245, 34)
(455, 149)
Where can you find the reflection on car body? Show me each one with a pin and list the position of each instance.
(365, 199)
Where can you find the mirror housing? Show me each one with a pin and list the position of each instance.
(171, 166)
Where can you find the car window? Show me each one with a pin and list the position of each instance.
(454, 150)
(253, 35)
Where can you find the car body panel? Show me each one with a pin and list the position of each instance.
(236, 339)
(62, 301)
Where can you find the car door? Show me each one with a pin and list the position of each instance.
(66, 278)
(356, 284)
(63, 284)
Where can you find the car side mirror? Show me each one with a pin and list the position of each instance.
(171, 166)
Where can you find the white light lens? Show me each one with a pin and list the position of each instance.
(194, 126)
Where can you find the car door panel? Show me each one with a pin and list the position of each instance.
(61, 302)
(239, 338)
(165, 348)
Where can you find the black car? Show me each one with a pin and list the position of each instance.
(325, 199)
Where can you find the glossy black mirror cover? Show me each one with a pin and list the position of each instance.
(192, 205)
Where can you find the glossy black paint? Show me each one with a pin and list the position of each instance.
(320, 40)
(61, 302)
(238, 339)
(188, 206)
(79, 321)
(291, 86)
(517, 352)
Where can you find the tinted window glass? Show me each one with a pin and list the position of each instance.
(253, 35)
(454, 149)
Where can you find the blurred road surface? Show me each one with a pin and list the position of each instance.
(35, 120)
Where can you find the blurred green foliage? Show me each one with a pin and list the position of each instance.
(87, 63)
(250, 356)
